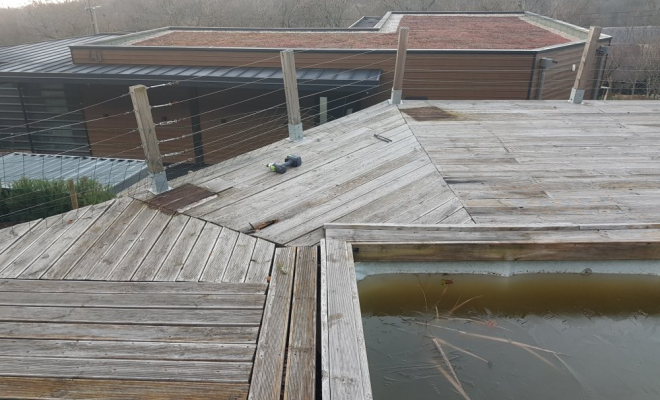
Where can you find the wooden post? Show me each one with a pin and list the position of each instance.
(585, 70)
(147, 130)
(291, 91)
(323, 110)
(74, 196)
(397, 88)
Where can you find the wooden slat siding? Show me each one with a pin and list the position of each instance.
(15, 267)
(217, 264)
(240, 260)
(93, 287)
(195, 317)
(28, 348)
(9, 236)
(96, 389)
(345, 374)
(199, 255)
(107, 139)
(41, 264)
(300, 380)
(152, 300)
(133, 234)
(561, 73)
(261, 262)
(73, 368)
(173, 264)
(147, 270)
(77, 251)
(129, 333)
(136, 255)
(323, 301)
(266, 383)
(85, 265)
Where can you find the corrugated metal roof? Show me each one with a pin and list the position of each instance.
(52, 61)
(117, 173)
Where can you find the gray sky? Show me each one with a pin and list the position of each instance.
(14, 3)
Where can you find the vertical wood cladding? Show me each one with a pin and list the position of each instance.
(110, 137)
(561, 77)
(440, 76)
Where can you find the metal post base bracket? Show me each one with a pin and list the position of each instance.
(396, 97)
(296, 132)
(159, 183)
(577, 95)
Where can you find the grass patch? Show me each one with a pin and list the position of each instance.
(30, 199)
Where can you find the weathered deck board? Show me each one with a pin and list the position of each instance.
(239, 262)
(173, 264)
(135, 300)
(93, 287)
(98, 389)
(41, 264)
(129, 333)
(73, 368)
(28, 348)
(195, 317)
(346, 377)
(301, 368)
(8, 236)
(82, 245)
(261, 262)
(136, 255)
(86, 263)
(24, 256)
(217, 264)
(269, 360)
(199, 255)
(151, 264)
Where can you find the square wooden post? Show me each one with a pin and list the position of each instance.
(585, 70)
(291, 91)
(399, 69)
(147, 130)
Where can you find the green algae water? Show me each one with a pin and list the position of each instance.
(535, 336)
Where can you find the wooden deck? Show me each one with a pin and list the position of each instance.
(347, 175)
(126, 240)
(124, 301)
(550, 161)
(512, 162)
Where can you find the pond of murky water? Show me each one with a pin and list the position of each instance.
(537, 336)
